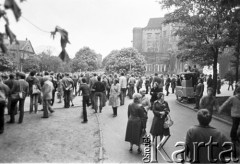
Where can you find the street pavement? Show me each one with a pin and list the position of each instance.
(114, 129)
(62, 138)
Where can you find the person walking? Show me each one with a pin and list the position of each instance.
(210, 81)
(199, 92)
(131, 85)
(154, 92)
(18, 94)
(135, 125)
(92, 81)
(114, 99)
(167, 84)
(123, 86)
(47, 96)
(59, 88)
(4, 94)
(234, 103)
(34, 91)
(160, 111)
(98, 88)
(173, 84)
(230, 83)
(139, 84)
(85, 100)
(147, 84)
(209, 101)
(156, 79)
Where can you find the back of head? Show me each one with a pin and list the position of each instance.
(33, 73)
(122, 74)
(11, 76)
(84, 80)
(46, 73)
(99, 78)
(137, 97)
(22, 75)
(204, 117)
(156, 74)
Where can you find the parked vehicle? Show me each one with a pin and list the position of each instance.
(188, 82)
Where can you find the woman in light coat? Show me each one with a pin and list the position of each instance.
(114, 99)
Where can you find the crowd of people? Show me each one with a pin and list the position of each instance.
(98, 89)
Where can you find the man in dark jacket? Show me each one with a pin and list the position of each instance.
(19, 92)
(85, 100)
(204, 134)
(67, 87)
(199, 92)
(34, 91)
(9, 83)
(167, 84)
(99, 88)
(4, 94)
(210, 81)
(158, 80)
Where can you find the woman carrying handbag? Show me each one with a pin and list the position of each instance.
(160, 111)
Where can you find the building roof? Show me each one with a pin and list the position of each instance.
(25, 46)
(155, 23)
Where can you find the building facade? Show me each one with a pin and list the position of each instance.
(19, 52)
(158, 44)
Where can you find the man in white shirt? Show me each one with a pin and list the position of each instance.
(123, 86)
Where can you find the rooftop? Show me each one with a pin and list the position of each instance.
(155, 23)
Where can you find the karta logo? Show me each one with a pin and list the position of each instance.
(185, 154)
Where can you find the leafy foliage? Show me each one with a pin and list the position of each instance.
(121, 60)
(201, 28)
(6, 63)
(85, 59)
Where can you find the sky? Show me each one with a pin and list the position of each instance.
(102, 25)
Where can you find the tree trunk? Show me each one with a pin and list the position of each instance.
(237, 56)
(215, 73)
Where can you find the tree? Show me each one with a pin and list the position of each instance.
(200, 26)
(232, 31)
(31, 63)
(6, 63)
(127, 59)
(85, 59)
(49, 62)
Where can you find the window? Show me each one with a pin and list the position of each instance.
(157, 36)
(149, 44)
(164, 33)
(149, 35)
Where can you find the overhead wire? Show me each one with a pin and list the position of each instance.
(45, 31)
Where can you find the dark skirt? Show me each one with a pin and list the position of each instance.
(134, 130)
(157, 128)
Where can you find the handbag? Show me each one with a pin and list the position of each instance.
(35, 89)
(168, 122)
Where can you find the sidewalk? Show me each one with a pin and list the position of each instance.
(217, 116)
(60, 138)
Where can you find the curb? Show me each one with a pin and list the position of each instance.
(213, 116)
(101, 140)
